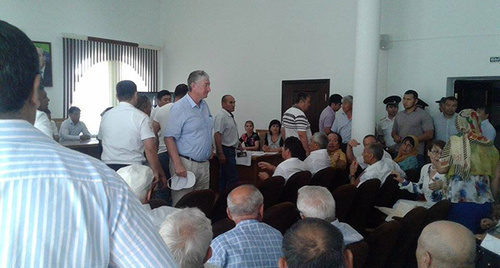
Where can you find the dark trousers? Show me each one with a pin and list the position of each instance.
(227, 172)
(159, 193)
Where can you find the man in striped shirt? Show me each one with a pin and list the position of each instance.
(295, 123)
(59, 208)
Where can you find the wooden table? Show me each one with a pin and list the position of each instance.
(89, 147)
(246, 174)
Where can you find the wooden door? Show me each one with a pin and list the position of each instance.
(319, 90)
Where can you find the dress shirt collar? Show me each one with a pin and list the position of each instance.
(227, 113)
(125, 104)
(192, 103)
(246, 222)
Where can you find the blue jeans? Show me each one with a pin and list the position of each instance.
(159, 193)
(227, 171)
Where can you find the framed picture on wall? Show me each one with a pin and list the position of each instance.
(45, 58)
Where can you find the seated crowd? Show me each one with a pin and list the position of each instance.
(103, 207)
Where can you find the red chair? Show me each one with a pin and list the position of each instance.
(323, 177)
(381, 243)
(271, 189)
(281, 216)
(292, 186)
(363, 203)
(202, 199)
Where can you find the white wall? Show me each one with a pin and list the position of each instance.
(249, 47)
(434, 40)
(127, 20)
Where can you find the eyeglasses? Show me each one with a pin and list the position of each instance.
(436, 151)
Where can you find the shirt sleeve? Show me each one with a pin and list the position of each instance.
(335, 126)
(43, 124)
(328, 122)
(134, 242)
(175, 122)
(146, 129)
(427, 123)
(85, 131)
(218, 125)
(218, 254)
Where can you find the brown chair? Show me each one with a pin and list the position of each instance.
(385, 198)
(381, 243)
(156, 203)
(359, 253)
(271, 189)
(340, 177)
(344, 196)
(292, 186)
(202, 199)
(323, 177)
(404, 250)
(437, 212)
(363, 203)
(222, 226)
(281, 216)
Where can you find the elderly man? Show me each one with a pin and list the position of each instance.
(327, 116)
(188, 134)
(295, 123)
(188, 234)
(226, 142)
(342, 124)
(292, 152)
(126, 134)
(413, 121)
(444, 123)
(319, 158)
(314, 243)
(379, 167)
(318, 202)
(72, 127)
(446, 244)
(251, 243)
(42, 121)
(74, 210)
(367, 140)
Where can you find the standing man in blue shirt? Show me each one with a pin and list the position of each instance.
(488, 130)
(188, 135)
(60, 208)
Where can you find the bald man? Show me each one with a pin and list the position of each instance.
(446, 244)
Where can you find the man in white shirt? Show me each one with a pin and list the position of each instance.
(295, 122)
(226, 142)
(487, 128)
(293, 153)
(126, 134)
(42, 121)
(163, 97)
(379, 167)
(72, 127)
(318, 202)
(384, 125)
(319, 158)
(367, 140)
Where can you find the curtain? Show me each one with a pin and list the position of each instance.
(80, 54)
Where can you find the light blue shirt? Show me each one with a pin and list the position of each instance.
(488, 130)
(61, 208)
(444, 127)
(191, 127)
(250, 244)
(342, 125)
(71, 131)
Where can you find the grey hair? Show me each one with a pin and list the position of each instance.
(188, 234)
(321, 139)
(377, 150)
(316, 202)
(247, 205)
(195, 76)
(347, 98)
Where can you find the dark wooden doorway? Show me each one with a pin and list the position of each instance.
(319, 90)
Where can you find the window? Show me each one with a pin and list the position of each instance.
(92, 68)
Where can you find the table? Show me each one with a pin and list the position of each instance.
(89, 147)
(246, 174)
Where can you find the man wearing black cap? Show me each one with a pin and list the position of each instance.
(384, 125)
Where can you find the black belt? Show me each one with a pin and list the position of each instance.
(191, 159)
(230, 147)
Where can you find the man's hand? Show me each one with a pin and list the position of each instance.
(263, 176)
(180, 170)
(265, 148)
(397, 139)
(335, 157)
(221, 157)
(84, 137)
(265, 165)
(353, 168)
(397, 176)
(353, 143)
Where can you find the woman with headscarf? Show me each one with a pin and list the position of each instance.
(469, 161)
(407, 154)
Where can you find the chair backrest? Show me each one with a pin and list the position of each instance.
(292, 186)
(220, 206)
(363, 201)
(222, 226)
(359, 253)
(381, 243)
(344, 196)
(202, 199)
(340, 177)
(156, 203)
(281, 216)
(271, 189)
(413, 175)
(411, 227)
(437, 212)
(323, 177)
(386, 193)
